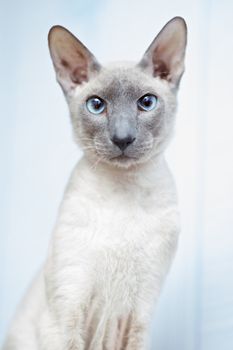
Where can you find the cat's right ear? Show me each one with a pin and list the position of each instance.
(73, 62)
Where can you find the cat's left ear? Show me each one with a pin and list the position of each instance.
(165, 56)
(73, 62)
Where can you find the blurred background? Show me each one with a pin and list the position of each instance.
(195, 311)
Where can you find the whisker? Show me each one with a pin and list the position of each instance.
(86, 138)
(88, 147)
(94, 166)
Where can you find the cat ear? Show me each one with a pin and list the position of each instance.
(73, 62)
(165, 56)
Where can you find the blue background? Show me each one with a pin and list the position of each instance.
(195, 311)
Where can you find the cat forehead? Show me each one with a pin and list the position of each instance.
(123, 80)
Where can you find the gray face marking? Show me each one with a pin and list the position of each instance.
(138, 134)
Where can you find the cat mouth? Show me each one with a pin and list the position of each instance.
(123, 157)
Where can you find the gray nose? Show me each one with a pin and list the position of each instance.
(124, 142)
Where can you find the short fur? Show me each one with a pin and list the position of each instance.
(118, 224)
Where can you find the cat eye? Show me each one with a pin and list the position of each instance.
(147, 102)
(95, 105)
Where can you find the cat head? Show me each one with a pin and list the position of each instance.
(123, 113)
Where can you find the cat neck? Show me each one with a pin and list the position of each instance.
(145, 175)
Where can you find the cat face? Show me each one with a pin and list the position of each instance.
(122, 114)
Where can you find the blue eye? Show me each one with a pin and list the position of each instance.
(147, 102)
(95, 105)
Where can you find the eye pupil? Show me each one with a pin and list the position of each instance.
(96, 103)
(147, 101)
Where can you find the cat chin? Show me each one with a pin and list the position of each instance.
(124, 162)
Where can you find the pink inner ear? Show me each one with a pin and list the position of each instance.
(162, 59)
(65, 64)
(160, 69)
(166, 53)
(73, 62)
(79, 74)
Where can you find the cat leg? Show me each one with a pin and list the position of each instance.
(98, 336)
(68, 335)
(69, 306)
(136, 332)
(136, 337)
(49, 333)
(74, 331)
(111, 335)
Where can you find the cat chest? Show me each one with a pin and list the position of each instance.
(120, 272)
(115, 219)
(112, 235)
(115, 254)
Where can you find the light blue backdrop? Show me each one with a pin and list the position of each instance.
(195, 311)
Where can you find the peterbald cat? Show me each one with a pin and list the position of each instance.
(118, 224)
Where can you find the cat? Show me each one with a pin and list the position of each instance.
(118, 224)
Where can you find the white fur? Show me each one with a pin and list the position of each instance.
(114, 240)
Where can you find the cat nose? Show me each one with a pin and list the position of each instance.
(124, 142)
